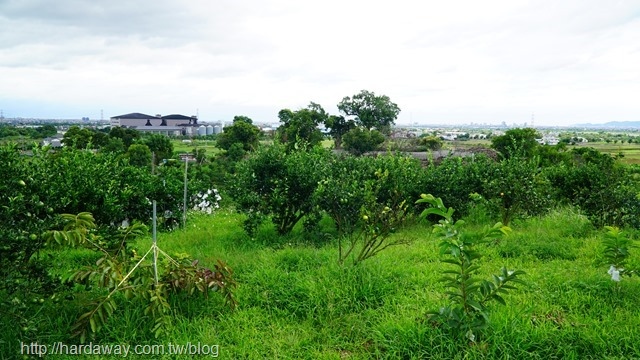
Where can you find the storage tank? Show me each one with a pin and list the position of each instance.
(217, 129)
(202, 130)
(209, 130)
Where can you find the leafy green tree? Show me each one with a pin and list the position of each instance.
(338, 126)
(26, 213)
(113, 145)
(79, 138)
(159, 145)
(299, 129)
(240, 132)
(45, 131)
(128, 136)
(516, 142)
(370, 111)
(236, 152)
(605, 190)
(517, 187)
(242, 118)
(360, 140)
(8, 130)
(430, 142)
(139, 155)
(273, 182)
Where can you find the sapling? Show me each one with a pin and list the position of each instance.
(468, 313)
(616, 252)
(122, 270)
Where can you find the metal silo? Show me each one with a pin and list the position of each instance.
(202, 130)
(209, 130)
(217, 129)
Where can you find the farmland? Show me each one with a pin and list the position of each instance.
(297, 302)
(324, 256)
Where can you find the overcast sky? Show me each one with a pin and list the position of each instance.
(444, 61)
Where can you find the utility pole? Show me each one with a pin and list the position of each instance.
(533, 119)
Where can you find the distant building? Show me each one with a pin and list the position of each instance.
(167, 125)
(548, 140)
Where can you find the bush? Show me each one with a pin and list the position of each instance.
(455, 178)
(272, 182)
(359, 140)
(595, 183)
(366, 198)
(517, 188)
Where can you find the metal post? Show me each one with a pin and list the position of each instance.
(184, 202)
(155, 246)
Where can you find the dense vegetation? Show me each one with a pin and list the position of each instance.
(330, 253)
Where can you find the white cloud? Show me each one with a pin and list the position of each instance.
(458, 61)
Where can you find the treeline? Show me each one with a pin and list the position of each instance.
(35, 189)
(39, 132)
(290, 183)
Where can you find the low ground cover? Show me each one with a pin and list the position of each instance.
(296, 301)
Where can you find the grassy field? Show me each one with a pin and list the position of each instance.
(182, 147)
(296, 302)
(630, 152)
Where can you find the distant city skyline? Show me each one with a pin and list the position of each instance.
(569, 62)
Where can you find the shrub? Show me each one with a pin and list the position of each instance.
(603, 189)
(517, 188)
(360, 140)
(364, 218)
(455, 178)
(272, 182)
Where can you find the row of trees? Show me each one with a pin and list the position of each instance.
(365, 119)
(289, 185)
(38, 132)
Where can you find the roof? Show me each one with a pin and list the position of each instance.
(135, 116)
(158, 128)
(178, 117)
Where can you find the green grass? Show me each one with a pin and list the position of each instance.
(630, 152)
(208, 145)
(296, 302)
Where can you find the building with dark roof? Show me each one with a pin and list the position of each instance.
(174, 124)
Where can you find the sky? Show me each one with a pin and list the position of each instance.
(442, 62)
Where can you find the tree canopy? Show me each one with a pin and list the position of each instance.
(160, 145)
(241, 132)
(516, 142)
(370, 111)
(246, 119)
(128, 136)
(301, 126)
(80, 138)
(360, 140)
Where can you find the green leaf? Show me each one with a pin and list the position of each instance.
(92, 322)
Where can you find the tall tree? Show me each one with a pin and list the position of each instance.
(160, 145)
(370, 111)
(242, 118)
(516, 142)
(139, 155)
(79, 138)
(128, 136)
(300, 128)
(240, 132)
